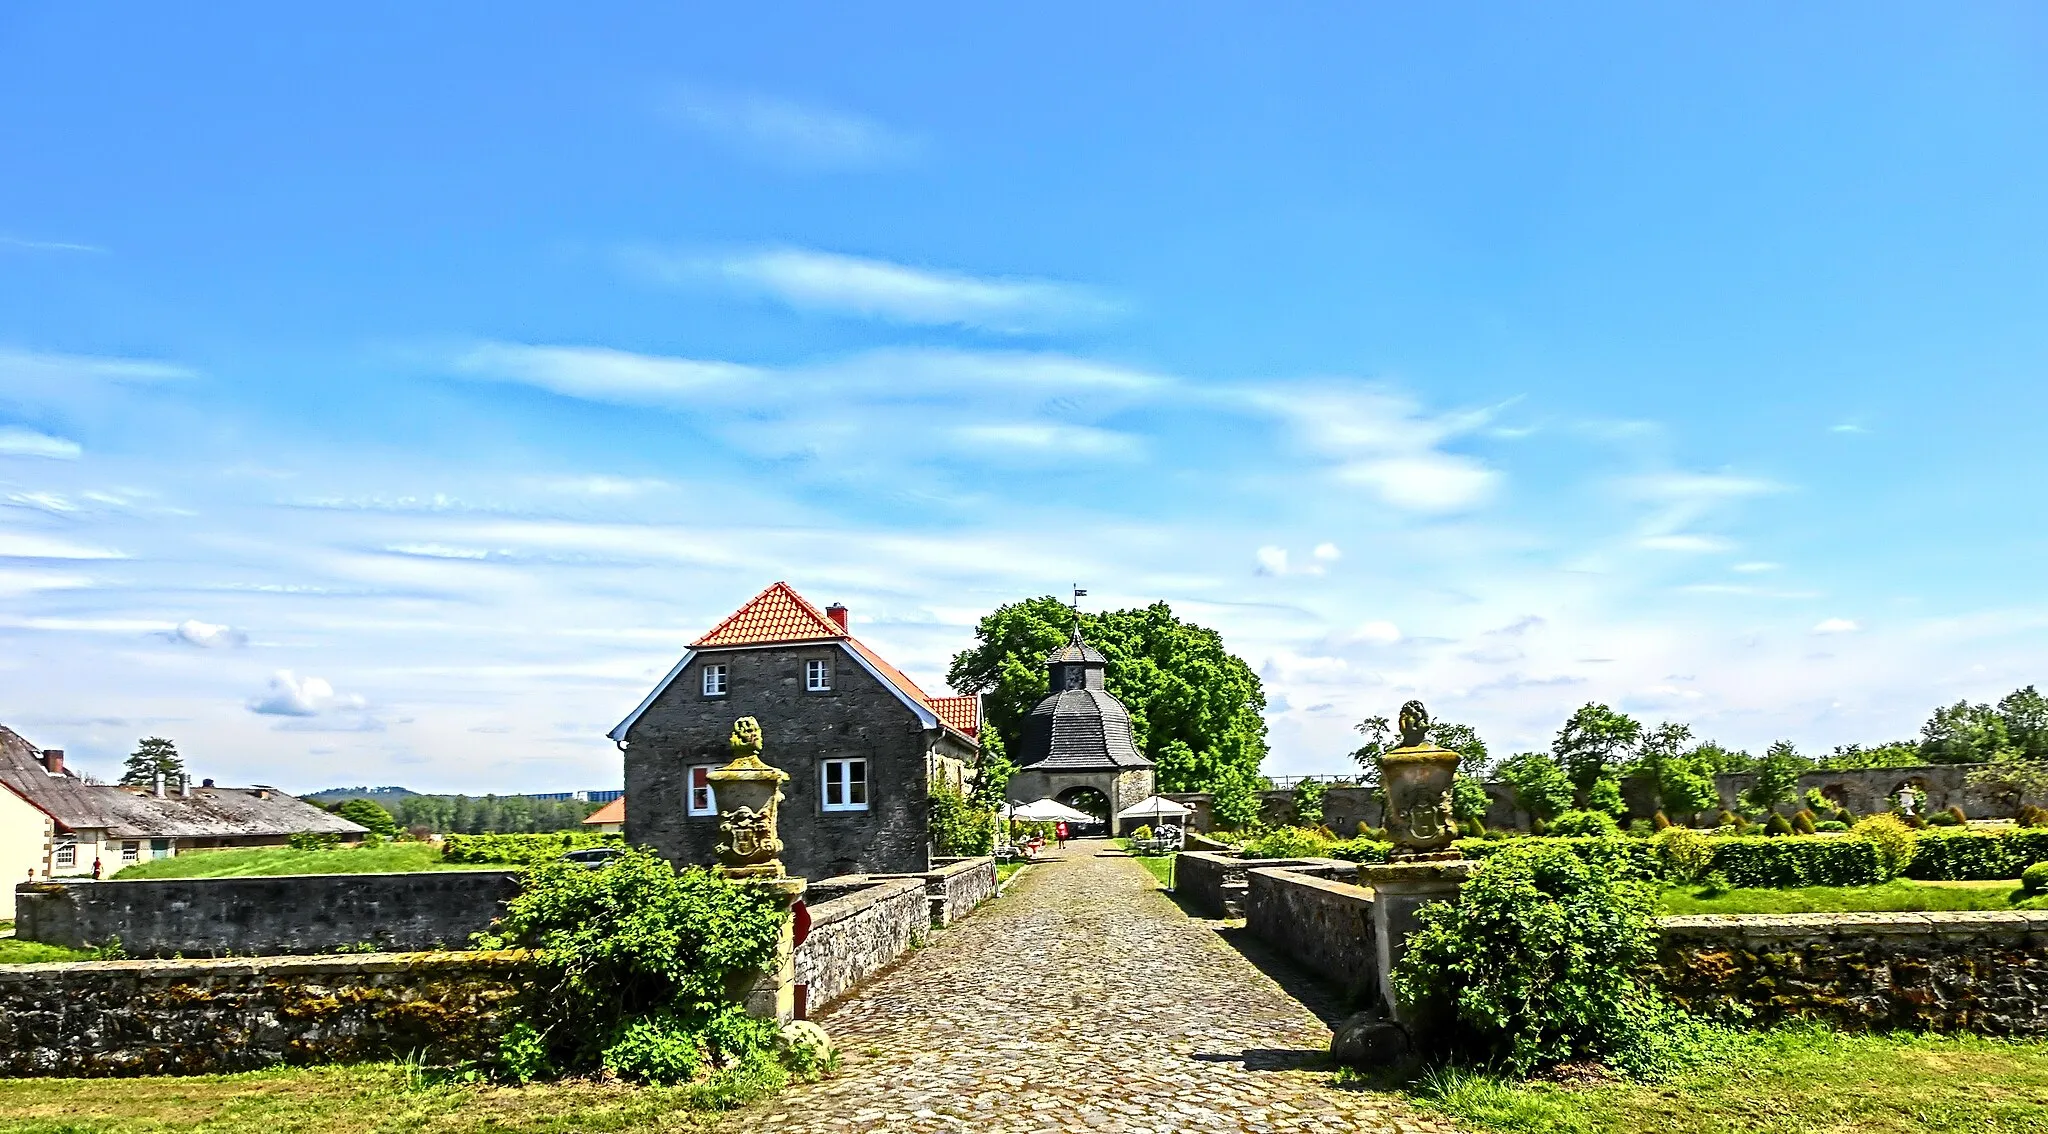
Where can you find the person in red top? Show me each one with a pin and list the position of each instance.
(1059, 833)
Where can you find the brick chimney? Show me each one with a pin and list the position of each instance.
(837, 613)
(53, 761)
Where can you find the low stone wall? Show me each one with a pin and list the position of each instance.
(857, 931)
(1215, 883)
(296, 913)
(959, 885)
(1322, 925)
(1982, 972)
(102, 1018)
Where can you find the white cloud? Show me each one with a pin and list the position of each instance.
(1376, 632)
(1847, 427)
(601, 374)
(15, 442)
(791, 132)
(25, 582)
(1836, 626)
(1697, 487)
(1382, 441)
(29, 545)
(1684, 542)
(207, 635)
(1272, 560)
(825, 281)
(1327, 552)
(47, 245)
(437, 551)
(1052, 440)
(1426, 482)
(292, 696)
(1755, 567)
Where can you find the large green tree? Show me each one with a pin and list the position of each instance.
(1196, 708)
(1777, 777)
(1594, 744)
(153, 756)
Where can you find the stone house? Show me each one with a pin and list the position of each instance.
(863, 745)
(119, 826)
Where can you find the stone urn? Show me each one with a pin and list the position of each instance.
(748, 792)
(1417, 778)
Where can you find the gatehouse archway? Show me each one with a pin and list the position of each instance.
(1092, 801)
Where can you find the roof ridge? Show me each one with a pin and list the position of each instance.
(824, 626)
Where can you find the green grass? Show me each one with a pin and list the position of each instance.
(1792, 1080)
(383, 859)
(1900, 895)
(1005, 869)
(1161, 866)
(17, 952)
(385, 1097)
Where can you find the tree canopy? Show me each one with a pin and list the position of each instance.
(153, 756)
(1196, 708)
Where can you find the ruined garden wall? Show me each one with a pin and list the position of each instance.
(1322, 925)
(1215, 883)
(297, 913)
(101, 1018)
(858, 929)
(956, 886)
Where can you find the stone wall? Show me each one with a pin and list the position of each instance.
(1322, 925)
(102, 1018)
(296, 913)
(1982, 972)
(956, 886)
(856, 931)
(1215, 884)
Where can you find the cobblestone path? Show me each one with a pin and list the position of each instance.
(1083, 1000)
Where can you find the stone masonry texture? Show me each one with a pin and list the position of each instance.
(1082, 999)
(859, 930)
(102, 1018)
(1322, 925)
(858, 717)
(300, 913)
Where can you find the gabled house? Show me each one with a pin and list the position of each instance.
(862, 744)
(118, 826)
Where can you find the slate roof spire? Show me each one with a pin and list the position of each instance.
(1079, 726)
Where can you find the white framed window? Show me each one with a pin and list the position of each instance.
(703, 799)
(817, 675)
(846, 785)
(130, 850)
(67, 851)
(714, 681)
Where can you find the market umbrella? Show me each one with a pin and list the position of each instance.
(1051, 811)
(1156, 808)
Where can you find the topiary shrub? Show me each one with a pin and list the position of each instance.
(1827, 825)
(1955, 811)
(1289, 842)
(1891, 841)
(1536, 964)
(1634, 859)
(1685, 854)
(1660, 821)
(1584, 825)
(640, 962)
(2031, 816)
(1786, 862)
(1943, 819)
(1803, 823)
(1728, 818)
(2034, 879)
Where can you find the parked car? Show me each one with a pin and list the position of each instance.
(593, 857)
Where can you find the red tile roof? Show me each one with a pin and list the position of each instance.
(963, 713)
(613, 812)
(779, 615)
(772, 617)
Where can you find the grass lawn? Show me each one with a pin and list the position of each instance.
(15, 952)
(386, 1098)
(1793, 1080)
(1161, 867)
(1005, 869)
(384, 859)
(1901, 894)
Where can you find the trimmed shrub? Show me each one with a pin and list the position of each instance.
(1826, 825)
(1289, 842)
(1778, 825)
(1943, 819)
(1536, 963)
(1964, 856)
(1584, 824)
(1684, 854)
(1892, 841)
(1728, 818)
(1803, 823)
(521, 850)
(1633, 859)
(1955, 810)
(1361, 849)
(1786, 862)
(2034, 879)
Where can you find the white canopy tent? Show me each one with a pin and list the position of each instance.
(1156, 808)
(1050, 811)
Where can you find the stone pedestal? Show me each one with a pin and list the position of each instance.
(1399, 890)
(772, 993)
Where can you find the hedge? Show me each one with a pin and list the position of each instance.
(520, 850)
(1967, 856)
(1785, 861)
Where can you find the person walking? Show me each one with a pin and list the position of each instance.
(1059, 834)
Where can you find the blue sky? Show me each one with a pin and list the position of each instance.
(387, 394)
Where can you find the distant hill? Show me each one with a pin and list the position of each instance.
(380, 794)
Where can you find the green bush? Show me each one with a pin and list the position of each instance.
(1308, 802)
(1536, 963)
(1803, 823)
(520, 850)
(369, 815)
(639, 960)
(1634, 859)
(1289, 842)
(313, 840)
(1963, 855)
(2034, 879)
(1892, 841)
(1778, 825)
(1943, 819)
(1684, 854)
(1584, 824)
(1830, 825)
(1360, 849)
(957, 826)
(1780, 862)
(1144, 831)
